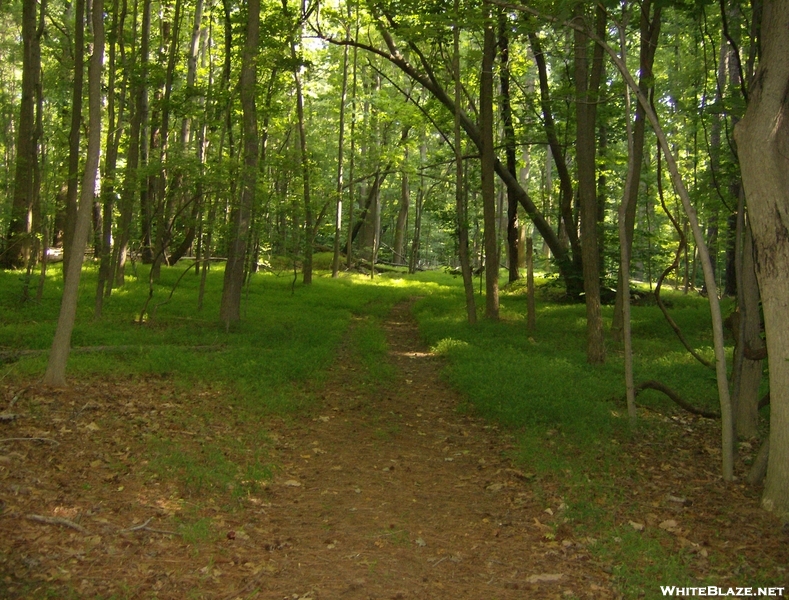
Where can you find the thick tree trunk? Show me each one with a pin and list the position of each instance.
(764, 158)
(747, 378)
(58, 357)
(18, 246)
(230, 308)
(586, 92)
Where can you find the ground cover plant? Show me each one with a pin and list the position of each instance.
(573, 438)
(180, 443)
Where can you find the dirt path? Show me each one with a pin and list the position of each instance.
(391, 493)
(382, 492)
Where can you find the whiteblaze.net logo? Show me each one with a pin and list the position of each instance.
(712, 590)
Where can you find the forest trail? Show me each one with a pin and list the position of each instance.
(390, 492)
(146, 488)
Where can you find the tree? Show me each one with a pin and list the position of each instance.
(20, 228)
(761, 139)
(587, 86)
(56, 367)
(230, 309)
(488, 152)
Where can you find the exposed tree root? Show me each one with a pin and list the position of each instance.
(657, 386)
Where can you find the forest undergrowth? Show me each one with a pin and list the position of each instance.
(177, 441)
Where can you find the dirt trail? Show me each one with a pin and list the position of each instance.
(383, 492)
(391, 493)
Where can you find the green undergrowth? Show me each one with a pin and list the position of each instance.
(288, 335)
(570, 417)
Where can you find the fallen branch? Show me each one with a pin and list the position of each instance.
(57, 521)
(144, 527)
(30, 439)
(659, 387)
(135, 528)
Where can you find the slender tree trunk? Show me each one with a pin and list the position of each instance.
(402, 213)
(352, 161)
(488, 151)
(58, 357)
(649, 31)
(624, 248)
(230, 308)
(165, 194)
(461, 207)
(413, 262)
(556, 151)
(335, 271)
(305, 166)
(136, 138)
(761, 143)
(74, 133)
(509, 144)
(531, 307)
(114, 128)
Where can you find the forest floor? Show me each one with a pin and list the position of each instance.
(377, 490)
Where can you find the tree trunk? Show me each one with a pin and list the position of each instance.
(761, 141)
(114, 129)
(230, 308)
(335, 270)
(18, 245)
(58, 357)
(461, 206)
(531, 307)
(509, 144)
(650, 31)
(747, 331)
(74, 133)
(165, 194)
(487, 151)
(586, 93)
(305, 168)
(402, 213)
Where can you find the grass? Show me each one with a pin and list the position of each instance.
(535, 383)
(539, 385)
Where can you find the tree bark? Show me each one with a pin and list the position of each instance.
(340, 151)
(650, 31)
(487, 151)
(586, 94)
(402, 215)
(58, 357)
(764, 159)
(509, 145)
(230, 308)
(18, 245)
(74, 133)
(461, 207)
(305, 167)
